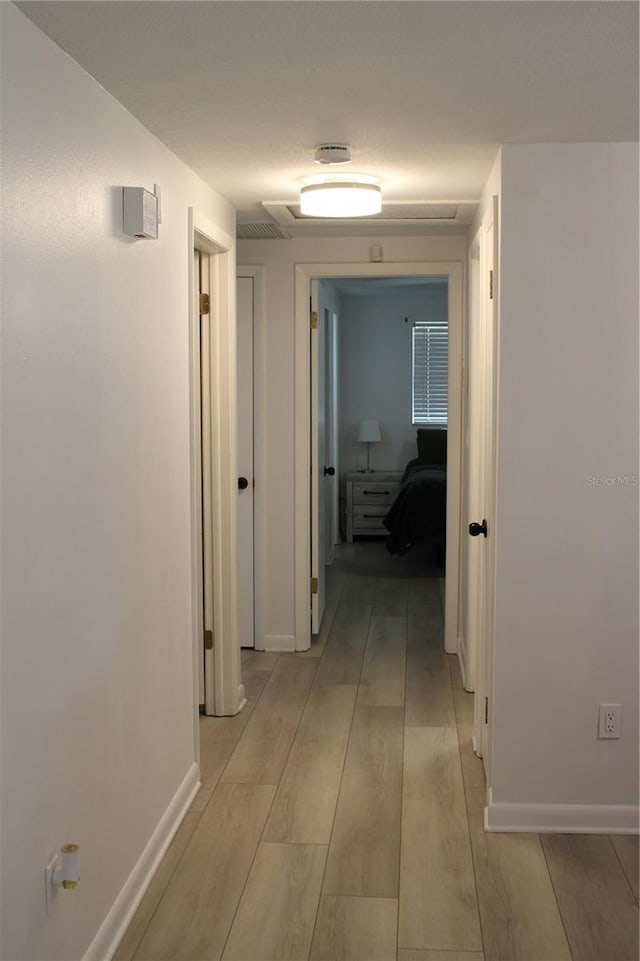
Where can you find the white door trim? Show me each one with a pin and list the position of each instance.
(304, 273)
(257, 274)
(206, 236)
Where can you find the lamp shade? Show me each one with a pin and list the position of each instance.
(369, 431)
(340, 199)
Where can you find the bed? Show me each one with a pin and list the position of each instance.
(419, 512)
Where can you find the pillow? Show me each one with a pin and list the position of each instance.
(432, 445)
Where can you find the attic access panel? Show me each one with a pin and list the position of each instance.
(288, 214)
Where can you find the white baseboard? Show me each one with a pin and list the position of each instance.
(561, 818)
(112, 929)
(279, 642)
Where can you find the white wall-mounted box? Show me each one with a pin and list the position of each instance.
(139, 212)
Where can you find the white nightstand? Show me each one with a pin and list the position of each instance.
(369, 497)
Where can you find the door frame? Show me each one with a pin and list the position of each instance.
(257, 274)
(304, 273)
(228, 691)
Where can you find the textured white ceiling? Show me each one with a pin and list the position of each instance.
(424, 92)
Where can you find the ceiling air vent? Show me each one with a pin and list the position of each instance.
(261, 232)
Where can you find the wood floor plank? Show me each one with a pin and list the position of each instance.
(518, 910)
(417, 955)
(359, 589)
(147, 907)
(598, 909)
(391, 597)
(383, 669)
(371, 556)
(462, 700)
(626, 846)
(341, 660)
(438, 906)
(425, 605)
(365, 844)
(355, 929)
(253, 660)
(336, 579)
(276, 915)
(219, 736)
(262, 750)
(195, 914)
(429, 692)
(306, 799)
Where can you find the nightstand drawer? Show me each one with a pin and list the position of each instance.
(368, 518)
(375, 492)
(369, 497)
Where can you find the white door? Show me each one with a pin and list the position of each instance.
(206, 402)
(245, 315)
(318, 537)
(486, 544)
(331, 379)
(476, 649)
(473, 550)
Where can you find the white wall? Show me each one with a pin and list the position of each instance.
(375, 371)
(276, 460)
(97, 685)
(567, 541)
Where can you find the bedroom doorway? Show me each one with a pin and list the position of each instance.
(338, 273)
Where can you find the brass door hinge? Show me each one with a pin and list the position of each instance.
(205, 304)
(490, 285)
(208, 640)
(314, 320)
(314, 585)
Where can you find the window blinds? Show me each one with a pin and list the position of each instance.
(430, 380)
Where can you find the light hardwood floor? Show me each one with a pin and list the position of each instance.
(340, 814)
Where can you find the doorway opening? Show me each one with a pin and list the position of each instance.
(379, 362)
(305, 275)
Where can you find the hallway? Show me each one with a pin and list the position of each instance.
(340, 814)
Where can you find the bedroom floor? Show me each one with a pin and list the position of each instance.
(340, 815)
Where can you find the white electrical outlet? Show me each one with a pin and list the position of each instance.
(609, 721)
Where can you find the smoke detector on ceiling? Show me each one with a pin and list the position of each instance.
(332, 153)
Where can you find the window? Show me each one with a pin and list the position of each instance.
(430, 381)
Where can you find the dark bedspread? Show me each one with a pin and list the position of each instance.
(420, 509)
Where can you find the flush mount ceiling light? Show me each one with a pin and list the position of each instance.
(340, 198)
(334, 196)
